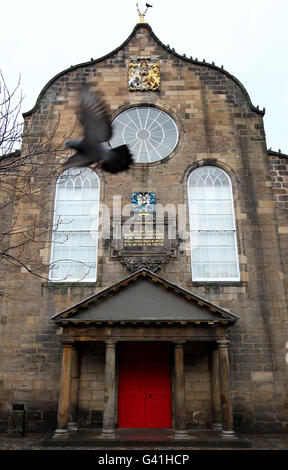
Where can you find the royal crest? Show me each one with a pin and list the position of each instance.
(143, 203)
(144, 74)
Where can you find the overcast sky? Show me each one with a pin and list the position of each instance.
(249, 37)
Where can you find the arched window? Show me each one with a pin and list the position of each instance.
(214, 255)
(75, 227)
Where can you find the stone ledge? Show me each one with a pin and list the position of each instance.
(217, 283)
(58, 285)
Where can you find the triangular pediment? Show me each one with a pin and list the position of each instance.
(144, 297)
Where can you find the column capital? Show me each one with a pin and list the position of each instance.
(179, 343)
(110, 343)
(223, 343)
(67, 343)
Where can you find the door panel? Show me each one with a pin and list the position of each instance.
(144, 399)
(131, 385)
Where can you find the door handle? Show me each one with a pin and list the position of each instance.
(150, 395)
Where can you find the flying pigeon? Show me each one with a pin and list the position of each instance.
(97, 130)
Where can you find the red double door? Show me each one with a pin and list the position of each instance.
(144, 390)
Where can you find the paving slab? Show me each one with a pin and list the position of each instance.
(45, 442)
(146, 438)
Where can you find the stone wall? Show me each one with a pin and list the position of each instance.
(91, 385)
(197, 386)
(279, 175)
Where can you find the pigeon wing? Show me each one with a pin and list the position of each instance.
(77, 160)
(117, 160)
(93, 117)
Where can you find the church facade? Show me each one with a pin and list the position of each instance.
(162, 299)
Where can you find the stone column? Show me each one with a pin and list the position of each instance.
(108, 431)
(75, 370)
(180, 404)
(226, 402)
(215, 390)
(65, 392)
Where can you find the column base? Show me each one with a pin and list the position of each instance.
(107, 434)
(72, 426)
(228, 434)
(60, 434)
(216, 427)
(180, 435)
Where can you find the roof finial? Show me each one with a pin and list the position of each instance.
(142, 14)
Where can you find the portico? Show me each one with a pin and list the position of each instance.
(146, 324)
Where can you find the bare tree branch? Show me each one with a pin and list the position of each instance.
(30, 162)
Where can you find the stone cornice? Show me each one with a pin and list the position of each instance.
(277, 154)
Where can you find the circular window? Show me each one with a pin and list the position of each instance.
(150, 133)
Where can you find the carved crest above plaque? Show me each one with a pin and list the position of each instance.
(143, 203)
(144, 74)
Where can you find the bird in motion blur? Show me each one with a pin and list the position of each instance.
(93, 148)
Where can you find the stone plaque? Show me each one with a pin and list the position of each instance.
(144, 237)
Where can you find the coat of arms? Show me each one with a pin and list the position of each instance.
(144, 74)
(143, 202)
